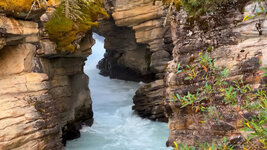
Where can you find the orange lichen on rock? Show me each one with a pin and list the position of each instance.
(54, 2)
(26, 5)
(16, 5)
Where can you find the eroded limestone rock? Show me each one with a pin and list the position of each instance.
(44, 93)
(237, 46)
(148, 101)
(138, 47)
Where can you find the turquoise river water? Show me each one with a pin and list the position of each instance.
(115, 126)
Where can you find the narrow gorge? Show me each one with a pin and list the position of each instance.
(115, 125)
(134, 102)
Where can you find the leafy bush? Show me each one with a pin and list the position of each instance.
(71, 18)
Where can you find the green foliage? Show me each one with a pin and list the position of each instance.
(176, 3)
(205, 60)
(189, 99)
(178, 68)
(63, 31)
(239, 95)
(197, 8)
(20, 5)
(257, 123)
(200, 7)
(16, 5)
(205, 146)
(258, 10)
(264, 72)
(229, 95)
(71, 18)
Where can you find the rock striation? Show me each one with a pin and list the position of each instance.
(44, 93)
(138, 48)
(136, 28)
(148, 101)
(236, 45)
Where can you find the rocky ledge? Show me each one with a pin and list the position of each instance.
(138, 47)
(236, 45)
(44, 93)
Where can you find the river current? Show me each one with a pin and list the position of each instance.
(116, 127)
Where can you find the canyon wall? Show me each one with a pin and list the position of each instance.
(138, 48)
(238, 46)
(44, 93)
(48, 91)
(143, 48)
(45, 96)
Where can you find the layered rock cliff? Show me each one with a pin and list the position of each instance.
(51, 86)
(135, 38)
(44, 93)
(138, 48)
(45, 96)
(236, 45)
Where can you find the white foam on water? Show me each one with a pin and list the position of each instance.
(115, 126)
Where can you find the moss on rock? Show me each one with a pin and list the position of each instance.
(16, 5)
(63, 27)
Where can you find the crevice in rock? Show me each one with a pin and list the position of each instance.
(138, 48)
(124, 58)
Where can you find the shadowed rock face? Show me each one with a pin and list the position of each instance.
(148, 101)
(44, 94)
(135, 38)
(47, 89)
(237, 46)
(124, 58)
(138, 48)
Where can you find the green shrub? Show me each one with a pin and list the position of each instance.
(197, 8)
(236, 94)
(200, 7)
(71, 18)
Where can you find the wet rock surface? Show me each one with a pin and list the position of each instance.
(148, 101)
